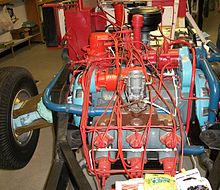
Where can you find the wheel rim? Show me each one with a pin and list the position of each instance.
(24, 138)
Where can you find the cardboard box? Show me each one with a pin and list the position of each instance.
(20, 33)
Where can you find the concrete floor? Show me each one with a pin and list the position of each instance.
(43, 63)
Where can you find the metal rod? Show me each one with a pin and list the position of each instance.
(195, 26)
(76, 174)
(58, 177)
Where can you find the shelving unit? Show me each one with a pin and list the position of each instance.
(33, 11)
(4, 2)
(19, 41)
(43, 2)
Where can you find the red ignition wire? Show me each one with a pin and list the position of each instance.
(189, 107)
(178, 114)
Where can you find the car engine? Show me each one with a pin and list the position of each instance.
(137, 97)
(132, 93)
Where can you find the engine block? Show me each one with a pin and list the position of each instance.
(139, 89)
(132, 99)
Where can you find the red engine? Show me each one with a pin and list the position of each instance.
(129, 91)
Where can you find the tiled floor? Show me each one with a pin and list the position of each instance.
(43, 63)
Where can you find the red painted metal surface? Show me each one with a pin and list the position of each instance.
(136, 165)
(98, 44)
(168, 59)
(99, 21)
(104, 165)
(137, 23)
(119, 13)
(135, 140)
(103, 142)
(170, 139)
(108, 78)
(169, 165)
(79, 27)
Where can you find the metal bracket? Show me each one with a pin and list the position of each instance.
(65, 169)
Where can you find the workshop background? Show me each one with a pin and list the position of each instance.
(24, 47)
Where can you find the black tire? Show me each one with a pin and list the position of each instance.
(15, 151)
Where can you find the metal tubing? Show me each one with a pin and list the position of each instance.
(175, 15)
(214, 57)
(68, 108)
(195, 26)
(213, 48)
(193, 150)
(213, 86)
